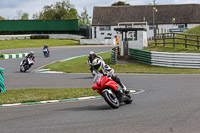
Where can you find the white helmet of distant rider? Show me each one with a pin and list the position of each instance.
(32, 53)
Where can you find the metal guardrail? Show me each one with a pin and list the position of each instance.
(140, 56)
(2, 89)
(179, 60)
(113, 57)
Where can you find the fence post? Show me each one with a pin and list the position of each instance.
(155, 39)
(174, 39)
(198, 42)
(163, 39)
(185, 41)
(2, 89)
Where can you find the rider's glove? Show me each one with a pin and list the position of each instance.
(104, 74)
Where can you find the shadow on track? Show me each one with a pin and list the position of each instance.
(88, 108)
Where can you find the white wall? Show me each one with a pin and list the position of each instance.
(99, 33)
(98, 41)
(164, 28)
(140, 43)
(65, 36)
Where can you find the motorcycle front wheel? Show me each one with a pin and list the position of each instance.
(111, 98)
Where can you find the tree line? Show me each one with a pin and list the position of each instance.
(63, 10)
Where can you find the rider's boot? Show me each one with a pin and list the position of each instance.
(125, 90)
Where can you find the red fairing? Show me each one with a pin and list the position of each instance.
(103, 82)
(112, 84)
(95, 86)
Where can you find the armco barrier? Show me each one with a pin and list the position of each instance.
(113, 56)
(2, 89)
(140, 56)
(13, 56)
(179, 60)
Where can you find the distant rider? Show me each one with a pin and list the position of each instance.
(106, 70)
(46, 47)
(29, 56)
(91, 58)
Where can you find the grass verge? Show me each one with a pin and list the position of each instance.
(169, 48)
(79, 65)
(33, 43)
(38, 94)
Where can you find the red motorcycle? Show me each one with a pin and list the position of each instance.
(111, 91)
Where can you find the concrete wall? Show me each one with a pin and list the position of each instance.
(140, 43)
(65, 36)
(14, 37)
(98, 41)
(51, 36)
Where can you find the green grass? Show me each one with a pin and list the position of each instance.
(79, 65)
(194, 30)
(38, 94)
(170, 48)
(32, 43)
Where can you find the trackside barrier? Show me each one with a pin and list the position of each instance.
(166, 59)
(113, 57)
(140, 56)
(2, 89)
(13, 56)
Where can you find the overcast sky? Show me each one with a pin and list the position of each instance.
(9, 8)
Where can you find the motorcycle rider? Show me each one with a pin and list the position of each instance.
(91, 58)
(106, 70)
(46, 47)
(29, 56)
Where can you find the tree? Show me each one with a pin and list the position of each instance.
(48, 12)
(60, 11)
(2, 18)
(25, 16)
(120, 3)
(35, 16)
(84, 18)
(21, 15)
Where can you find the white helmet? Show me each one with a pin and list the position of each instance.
(97, 63)
(32, 52)
(91, 53)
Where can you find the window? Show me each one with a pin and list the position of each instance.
(108, 28)
(181, 26)
(95, 32)
(101, 28)
(151, 27)
(105, 28)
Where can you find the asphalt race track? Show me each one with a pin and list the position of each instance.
(169, 104)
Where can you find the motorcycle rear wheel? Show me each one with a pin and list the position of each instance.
(111, 99)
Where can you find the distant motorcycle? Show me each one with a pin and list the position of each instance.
(26, 64)
(111, 91)
(46, 52)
